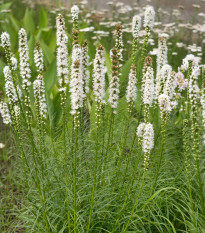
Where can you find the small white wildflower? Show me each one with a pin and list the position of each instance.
(170, 85)
(114, 82)
(85, 71)
(193, 87)
(16, 111)
(149, 17)
(9, 86)
(62, 52)
(1, 145)
(119, 43)
(14, 63)
(140, 130)
(161, 53)
(5, 40)
(173, 104)
(202, 100)
(39, 94)
(148, 138)
(74, 12)
(164, 103)
(189, 58)
(132, 88)
(148, 94)
(4, 111)
(99, 71)
(24, 59)
(76, 82)
(136, 25)
(38, 58)
(161, 79)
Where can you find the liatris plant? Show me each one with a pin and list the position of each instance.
(203, 99)
(85, 64)
(131, 88)
(119, 43)
(75, 31)
(136, 25)
(25, 72)
(161, 79)
(148, 92)
(92, 153)
(149, 18)
(114, 83)
(162, 52)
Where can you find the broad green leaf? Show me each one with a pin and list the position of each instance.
(50, 76)
(54, 109)
(14, 22)
(31, 46)
(48, 53)
(28, 21)
(52, 43)
(5, 6)
(43, 21)
(41, 34)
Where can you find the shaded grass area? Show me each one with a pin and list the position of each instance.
(10, 190)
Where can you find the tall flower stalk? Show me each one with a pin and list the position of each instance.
(149, 18)
(147, 145)
(113, 97)
(165, 108)
(148, 93)
(38, 58)
(136, 25)
(114, 82)
(25, 72)
(131, 95)
(26, 83)
(77, 96)
(161, 79)
(86, 80)
(113, 90)
(5, 113)
(10, 73)
(203, 101)
(62, 74)
(99, 93)
(40, 103)
(193, 96)
(186, 150)
(119, 43)
(99, 71)
(75, 30)
(162, 52)
(85, 64)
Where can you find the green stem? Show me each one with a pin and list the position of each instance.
(163, 124)
(95, 166)
(76, 126)
(65, 161)
(124, 138)
(135, 204)
(129, 189)
(109, 142)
